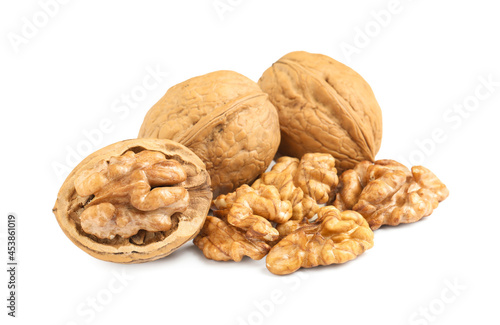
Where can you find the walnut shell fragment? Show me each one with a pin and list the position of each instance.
(333, 238)
(135, 200)
(323, 106)
(242, 224)
(387, 193)
(306, 183)
(226, 119)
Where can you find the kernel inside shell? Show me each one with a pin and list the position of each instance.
(135, 201)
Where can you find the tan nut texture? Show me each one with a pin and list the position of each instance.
(134, 201)
(387, 193)
(334, 237)
(323, 106)
(306, 183)
(226, 119)
(242, 224)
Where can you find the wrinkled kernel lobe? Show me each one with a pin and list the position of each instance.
(388, 193)
(242, 223)
(333, 238)
(124, 201)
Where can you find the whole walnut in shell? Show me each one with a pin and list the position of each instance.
(134, 201)
(323, 106)
(226, 119)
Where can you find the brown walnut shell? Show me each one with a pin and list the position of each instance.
(323, 106)
(226, 119)
(132, 190)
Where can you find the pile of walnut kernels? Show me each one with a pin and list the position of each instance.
(207, 143)
(302, 215)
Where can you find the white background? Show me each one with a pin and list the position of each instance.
(62, 79)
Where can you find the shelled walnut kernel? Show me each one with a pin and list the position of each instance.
(388, 193)
(242, 224)
(334, 237)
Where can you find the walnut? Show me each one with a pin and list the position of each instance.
(226, 119)
(242, 224)
(123, 202)
(305, 183)
(222, 242)
(135, 200)
(323, 106)
(387, 193)
(334, 237)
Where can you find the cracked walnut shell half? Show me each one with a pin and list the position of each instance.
(323, 106)
(226, 120)
(388, 193)
(333, 238)
(134, 201)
